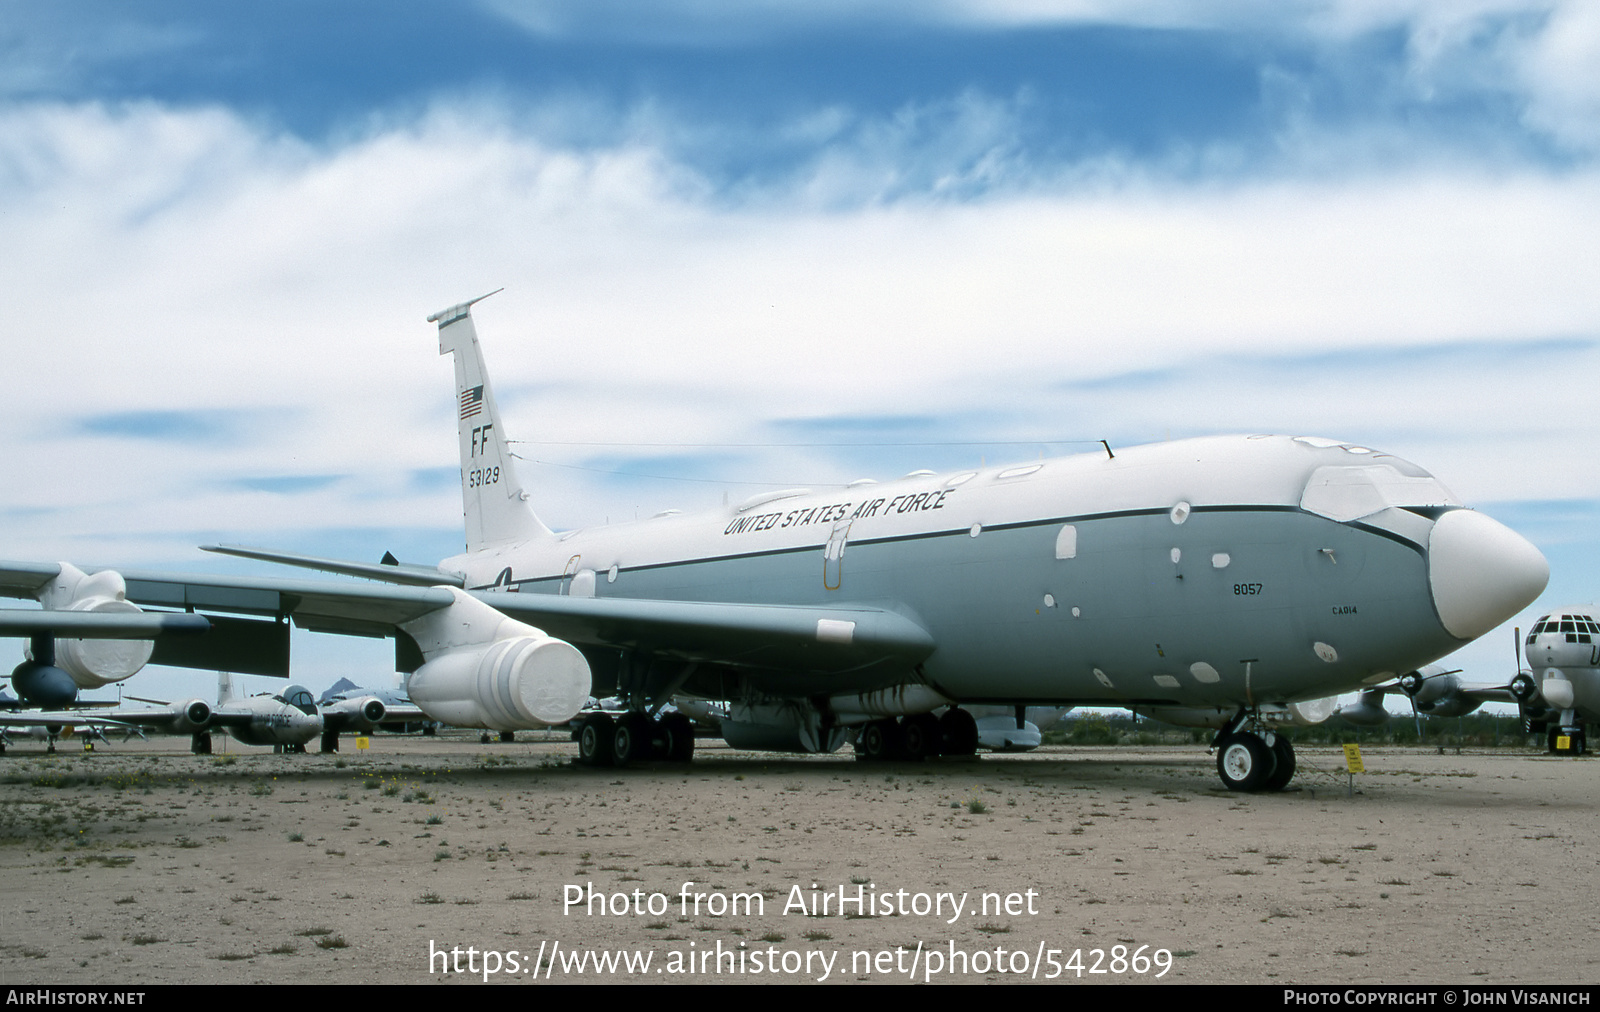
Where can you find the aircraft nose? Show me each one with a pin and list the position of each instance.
(1481, 572)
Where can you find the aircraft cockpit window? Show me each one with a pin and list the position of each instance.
(300, 699)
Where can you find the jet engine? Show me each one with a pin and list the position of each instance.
(486, 669)
(517, 683)
(189, 718)
(363, 714)
(92, 663)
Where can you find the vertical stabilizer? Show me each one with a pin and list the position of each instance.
(494, 502)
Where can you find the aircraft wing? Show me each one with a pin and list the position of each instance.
(1437, 691)
(54, 718)
(769, 636)
(794, 637)
(97, 624)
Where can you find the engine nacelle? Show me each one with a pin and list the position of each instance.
(486, 669)
(190, 717)
(93, 663)
(1438, 695)
(511, 685)
(1525, 690)
(363, 714)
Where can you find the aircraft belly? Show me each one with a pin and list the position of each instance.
(252, 734)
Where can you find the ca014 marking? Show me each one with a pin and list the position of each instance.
(1247, 589)
(1343, 609)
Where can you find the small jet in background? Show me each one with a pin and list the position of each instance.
(362, 711)
(285, 720)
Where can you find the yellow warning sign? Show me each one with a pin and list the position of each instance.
(1352, 759)
(361, 742)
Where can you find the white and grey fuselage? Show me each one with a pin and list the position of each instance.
(1223, 571)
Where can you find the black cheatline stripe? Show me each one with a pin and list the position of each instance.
(962, 532)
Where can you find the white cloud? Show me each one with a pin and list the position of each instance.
(186, 260)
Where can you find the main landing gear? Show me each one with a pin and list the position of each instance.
(919, 736)
(605, 740)
(1251, 757)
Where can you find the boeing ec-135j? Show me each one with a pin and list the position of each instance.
(1255, 574)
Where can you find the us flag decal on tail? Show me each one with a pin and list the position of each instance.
(471, 401)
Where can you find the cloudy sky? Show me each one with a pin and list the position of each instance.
(777, 242)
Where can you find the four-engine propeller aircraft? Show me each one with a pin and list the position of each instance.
(1557, 694)
(1247, 573)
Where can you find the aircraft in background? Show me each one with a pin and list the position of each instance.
(352, 710)
(1015, 728)
(1557, 694)
(1559, 691)
(285, 720)
(51, 732)
(1247, 574)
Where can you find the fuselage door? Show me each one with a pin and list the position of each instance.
(833, 555)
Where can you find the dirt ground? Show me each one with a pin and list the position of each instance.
(141, 863)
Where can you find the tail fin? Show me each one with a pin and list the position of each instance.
(494, 501)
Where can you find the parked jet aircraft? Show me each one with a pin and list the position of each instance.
(1248, 573)
(361, 711)
(49, 733)
(286, 719)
